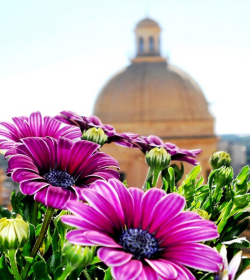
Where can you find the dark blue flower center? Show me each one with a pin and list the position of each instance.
(59, 179)
(140, 243)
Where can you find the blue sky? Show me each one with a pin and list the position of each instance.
(56, 55)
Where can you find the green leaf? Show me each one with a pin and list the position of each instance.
(239, 243)
(241, 201)
(164, 184)
(95, 260)
(235, 231)
(4, 270)
(29, 259)
(16, 202)
(170, 178)
(4, 212)
(32, 238)
(54, 262)
(108, 275)
(40, 270)
(58, 272)
(55, 240)
(245, 262)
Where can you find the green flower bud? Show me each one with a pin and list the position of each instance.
(78, 256)
(96, 135)
(158, 159)
(220, 159)
(14, 233)
(223, 176)
(202, 213)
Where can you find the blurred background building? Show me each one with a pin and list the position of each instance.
(153, 97)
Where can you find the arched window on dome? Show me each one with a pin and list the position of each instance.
(141, 44)
(151, 44)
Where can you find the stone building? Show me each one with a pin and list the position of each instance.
(153, 97)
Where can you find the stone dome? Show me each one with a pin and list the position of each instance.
(153, 97)
(149, 91)
(147, 22)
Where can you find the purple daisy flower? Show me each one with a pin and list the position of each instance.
(143, 236)
(33, 126)
(85, 123)
(55, 171)
(147, 143)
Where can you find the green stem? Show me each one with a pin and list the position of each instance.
(86, 275)
(35, 212)
(68, 269)
(150, 172)
(12, 257)
(46, 222)
(156, 177)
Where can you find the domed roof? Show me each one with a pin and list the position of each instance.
(147, 22)
(151, 92)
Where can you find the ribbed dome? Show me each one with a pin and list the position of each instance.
(151, 92)
(147, 22)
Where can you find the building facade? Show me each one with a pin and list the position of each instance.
(153, 97)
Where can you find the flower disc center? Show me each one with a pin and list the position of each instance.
(140, 243)
(59, 178)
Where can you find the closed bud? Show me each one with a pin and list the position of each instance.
(78, 256)
(223, 176)
(96, 135)
(202, 213)
(14, 233)
(158, 159)
(220, 159)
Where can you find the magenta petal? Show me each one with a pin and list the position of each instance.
(129, 271)
(41, 195)
(194, 249)
(97, 162)
(80, 150)
(21, 162)
(77, 237)
(182, 220)
(51, 127)
(12, 129)
(39, 151)
(36, 123)
(101, 239)
(137, 195)
(106, 174)
(148, 273)
(195, 261)
(113, 257)
(163, 268)
(183, 273)
(87, 213)
(52, 144)
(63, 152)
(165, 210)
(32, 187)
(126, 201)
(107, 191)
(78, 191)
(57, 197)
(148, 202)
(76, 222)
(19, 176)
(103, 206)
(191, 234)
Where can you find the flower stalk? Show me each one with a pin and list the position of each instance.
(45, 225)
(12, 258)
(68, 269)
(35, 212)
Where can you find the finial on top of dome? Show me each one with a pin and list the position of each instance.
(147, 34)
